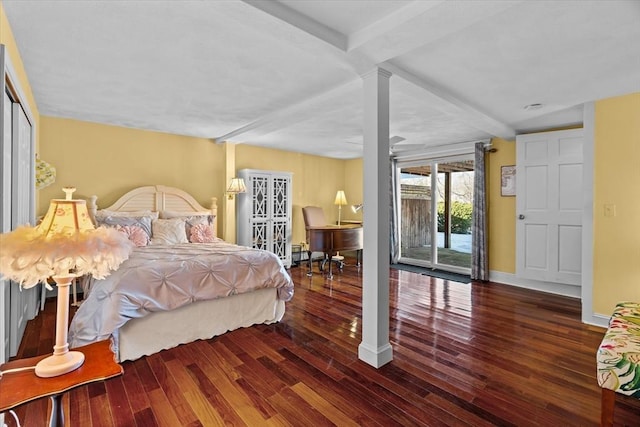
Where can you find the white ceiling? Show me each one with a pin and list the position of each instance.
(286, 74)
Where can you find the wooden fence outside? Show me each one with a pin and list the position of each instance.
(416, 215)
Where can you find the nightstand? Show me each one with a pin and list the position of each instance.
(18, 388)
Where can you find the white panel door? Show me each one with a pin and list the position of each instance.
(549, 206)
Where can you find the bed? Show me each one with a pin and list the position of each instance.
(174, 290)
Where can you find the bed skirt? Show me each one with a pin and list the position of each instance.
(200, 320)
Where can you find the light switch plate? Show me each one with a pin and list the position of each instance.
(609, 210)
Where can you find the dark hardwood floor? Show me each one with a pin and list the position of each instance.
(464, 354)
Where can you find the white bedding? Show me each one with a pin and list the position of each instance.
(163, 278)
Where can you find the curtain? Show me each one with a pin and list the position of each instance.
(394, 244)
(479, 255)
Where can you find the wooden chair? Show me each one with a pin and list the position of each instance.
(314, 217)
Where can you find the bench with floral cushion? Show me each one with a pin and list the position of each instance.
(619, 358)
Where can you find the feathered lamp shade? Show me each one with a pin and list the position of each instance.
(63, 246)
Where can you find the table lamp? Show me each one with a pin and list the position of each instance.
(341, 200)
(63, 246)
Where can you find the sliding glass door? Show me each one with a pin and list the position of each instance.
(436, 213)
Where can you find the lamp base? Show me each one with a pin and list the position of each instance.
(58, 364)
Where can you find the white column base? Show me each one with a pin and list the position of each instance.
(375, 357)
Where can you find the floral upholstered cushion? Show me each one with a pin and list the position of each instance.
(619, 353)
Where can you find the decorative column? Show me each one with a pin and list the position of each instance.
(375, 348)
(229, 218)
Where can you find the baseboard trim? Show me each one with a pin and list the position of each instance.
(597, 320)
(572, 291)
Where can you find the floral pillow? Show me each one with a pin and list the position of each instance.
(202, 233)
(143, 222)
(135, 234)
(168, 232)
(201, 221)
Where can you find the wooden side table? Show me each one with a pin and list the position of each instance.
(17, 388)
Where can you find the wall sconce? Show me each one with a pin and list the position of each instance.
(236, 186)
(356, 208)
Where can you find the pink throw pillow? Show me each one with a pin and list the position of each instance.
(135, 234)
(202, 233)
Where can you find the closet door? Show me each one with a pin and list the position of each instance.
(23, 302)
(5, 217)
(17, 205)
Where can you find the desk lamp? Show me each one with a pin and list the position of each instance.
(341, 200)
(63, 246)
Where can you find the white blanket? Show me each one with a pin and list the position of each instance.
(162, 278)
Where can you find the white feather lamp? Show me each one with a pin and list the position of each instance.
(63, 246)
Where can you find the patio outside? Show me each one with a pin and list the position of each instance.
(459, 254)
(453, 189)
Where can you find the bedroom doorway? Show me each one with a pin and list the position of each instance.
(436, 213)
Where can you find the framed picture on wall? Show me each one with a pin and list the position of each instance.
(508, 181)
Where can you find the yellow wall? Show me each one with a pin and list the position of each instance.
(501, 209)
(616, 245)
(353, 187)
(108, 161)
(315, 180)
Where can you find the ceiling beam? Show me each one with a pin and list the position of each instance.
(410, 27)
(391, 22)
(418, 24)
(444, 101)
(300, 111)
(303, 22)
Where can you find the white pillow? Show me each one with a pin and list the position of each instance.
(191, 219)
(168, 232)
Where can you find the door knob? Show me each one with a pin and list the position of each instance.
(520, 216)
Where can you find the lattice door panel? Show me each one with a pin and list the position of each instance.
(260, 239)
(280, 199)
(279, 235)
(260, 194)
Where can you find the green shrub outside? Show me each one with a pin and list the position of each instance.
(461, 217)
